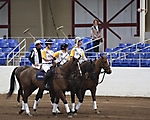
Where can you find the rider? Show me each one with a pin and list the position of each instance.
(35, 56)
(47, 60)
(62, 55)
(77, 51)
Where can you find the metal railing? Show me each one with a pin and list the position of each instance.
(15, 54)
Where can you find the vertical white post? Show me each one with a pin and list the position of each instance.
(142, 20)
(41, 18)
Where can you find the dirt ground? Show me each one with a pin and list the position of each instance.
(111, 108)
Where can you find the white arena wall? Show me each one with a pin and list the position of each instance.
(133, 82)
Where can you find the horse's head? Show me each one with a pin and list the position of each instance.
(71, 66)
(103, 63)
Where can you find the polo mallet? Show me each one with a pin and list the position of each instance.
(60, 28)
(27, 31)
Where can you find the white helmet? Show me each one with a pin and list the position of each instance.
(37, 42)
(77, 39)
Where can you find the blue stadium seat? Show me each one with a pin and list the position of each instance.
(147, 55)
(109, 50)
(4, 44)
(0, 49)
(144, 63)
(125, 62)
(122, 45)
(2, 59)
(25, 61)
(130, 55)
(6, 51)
(13, 44)
(116, 63)
(140, 45)
(134, 63)
(142, 55)
(136, 55)
(12, 41)
(27, 54)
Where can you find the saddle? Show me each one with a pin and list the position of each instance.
(40, 75)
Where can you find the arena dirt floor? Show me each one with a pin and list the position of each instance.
(111, 108)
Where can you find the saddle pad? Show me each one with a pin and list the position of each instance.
(40, 75)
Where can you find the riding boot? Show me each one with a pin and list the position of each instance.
(47, 80)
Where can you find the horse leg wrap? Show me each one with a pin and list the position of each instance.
(94, 105)
(67, 108)
(23, 107)
(27, 108)
(73, 107)
(54, 108)
(35, 105)
(78, 105)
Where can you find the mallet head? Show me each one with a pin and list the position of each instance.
(60, 27)
(26, 30)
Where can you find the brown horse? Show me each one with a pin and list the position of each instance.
(91, 82)
(60, 75)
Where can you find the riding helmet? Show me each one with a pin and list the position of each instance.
(37, 42)
(77, 39)
(48, 41)
(63, 46)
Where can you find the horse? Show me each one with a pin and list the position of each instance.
(91, 82)
(16, 72)
(29, 83)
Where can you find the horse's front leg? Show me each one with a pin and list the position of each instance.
(80, 96)
(93, 92)
(63, 98)
(73, 101)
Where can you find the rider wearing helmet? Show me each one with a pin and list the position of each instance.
(35, 56)
(62, 55)
(47, 59)
(77, 51)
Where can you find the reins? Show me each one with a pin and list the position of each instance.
(102, 77)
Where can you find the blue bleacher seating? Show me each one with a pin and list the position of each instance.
(4, 44)
(134, 63)
(2, 59)
(25, 61)
(122, 45)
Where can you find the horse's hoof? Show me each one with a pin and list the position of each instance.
(75, 114)
(18, 104)
(21, 111)
(34, 110)
(97, 112)
(35, 113)
(69, 115)
(29, 114)
(58, 111)
(54, 114)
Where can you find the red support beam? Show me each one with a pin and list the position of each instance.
(105, 21)
(120, 11)
(87, 10)
(73, 15)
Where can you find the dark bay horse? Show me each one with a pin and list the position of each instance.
(91, 82)
(58, 85)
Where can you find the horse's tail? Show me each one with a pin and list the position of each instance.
(12, 84)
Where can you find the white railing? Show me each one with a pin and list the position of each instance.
(15, 54)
